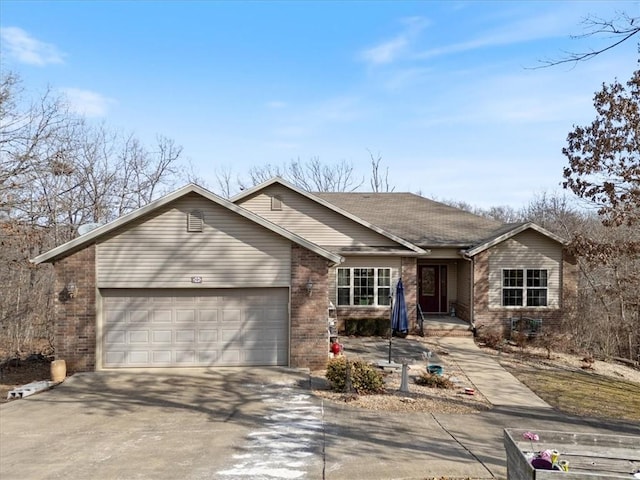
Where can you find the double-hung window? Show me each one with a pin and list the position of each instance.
(524, 287)
(364, 286)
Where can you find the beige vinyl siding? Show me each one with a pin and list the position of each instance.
(158, 252)
(311, 220)
(365, 262)
(528, 250)
(464, 282)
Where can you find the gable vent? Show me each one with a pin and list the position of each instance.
(276, 202)
(195, 221)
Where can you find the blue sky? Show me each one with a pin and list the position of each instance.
(440, 90)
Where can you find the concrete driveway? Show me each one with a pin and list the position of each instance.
(248, 424)
(188, 424)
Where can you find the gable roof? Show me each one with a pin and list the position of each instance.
(90, 237)
(419, 220)
(510, 230)
(320, 199)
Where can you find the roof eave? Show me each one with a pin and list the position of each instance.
(93, 235)
(512, 233)
(330, 206)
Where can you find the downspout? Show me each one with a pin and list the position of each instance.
(471, 290)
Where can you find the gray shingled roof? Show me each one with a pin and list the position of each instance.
(419, 220)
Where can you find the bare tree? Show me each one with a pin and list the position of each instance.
(379, 179)
(312, 175)
(617, 30)
(56, 173)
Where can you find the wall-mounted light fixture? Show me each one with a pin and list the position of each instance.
(309, 287)
(71, 289)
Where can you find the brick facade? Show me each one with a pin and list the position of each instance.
(75, 316)
(409, 273)
(309, 340)
(498, 318)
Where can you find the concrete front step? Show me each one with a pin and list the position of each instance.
(446, 326)
(447, 332)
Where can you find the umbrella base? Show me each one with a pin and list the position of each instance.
(384, 364)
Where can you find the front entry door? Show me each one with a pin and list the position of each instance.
(432, 285)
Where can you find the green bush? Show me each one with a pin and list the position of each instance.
(367, 327)
(350, 327)
(365, 379)
(432, 380)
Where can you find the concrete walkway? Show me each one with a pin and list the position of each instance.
(497, 385)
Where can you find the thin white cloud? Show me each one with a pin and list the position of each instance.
(87, 103)
(386, 52)
(390, 50)
(276, 104)
(26, 49)
(550, 25)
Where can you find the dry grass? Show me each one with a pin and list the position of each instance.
(580, 392)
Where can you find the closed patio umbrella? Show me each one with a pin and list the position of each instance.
(399, 318)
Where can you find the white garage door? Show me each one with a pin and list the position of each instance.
(183, 328)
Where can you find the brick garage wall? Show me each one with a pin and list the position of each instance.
(497, 319)
(75, 318)
(309, 313)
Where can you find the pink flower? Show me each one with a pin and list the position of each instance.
(531, 436)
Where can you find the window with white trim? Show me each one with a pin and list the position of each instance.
(524, 287)
(364, 286)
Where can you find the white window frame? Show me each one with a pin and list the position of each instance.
(532, 281)
(382, 283)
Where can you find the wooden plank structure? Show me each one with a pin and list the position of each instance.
(590, 456)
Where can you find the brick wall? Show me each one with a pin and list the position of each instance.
(75, 317)
(498, 318)
(309, 337)
(409, 272)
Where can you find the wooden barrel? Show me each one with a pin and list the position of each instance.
(58, 370)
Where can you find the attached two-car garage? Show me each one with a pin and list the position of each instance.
(195, 327)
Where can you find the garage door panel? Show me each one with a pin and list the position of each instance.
(116, 337)
(207, 316)
(185, 357)
(197, 327)
(162, 316)
(185, 316)
(138, 316)
(162, 358)
(138, 337)
(140, 357)
(185, 336)
(162, 337)
(208, 336)
(115, 357)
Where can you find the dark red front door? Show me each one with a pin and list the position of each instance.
(432, 288)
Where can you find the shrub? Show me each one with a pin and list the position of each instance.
(365, 379)
(366, 327)
(491, 337)
(432, 380)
